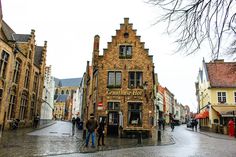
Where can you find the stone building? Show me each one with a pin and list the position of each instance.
(22, 69)
(48, 97)
(122, 84)
(65, 93)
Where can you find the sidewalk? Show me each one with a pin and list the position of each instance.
(112, 143)
(217, 135)
(214, 135)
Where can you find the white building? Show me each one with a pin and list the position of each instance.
(47, 107)
(77, 103)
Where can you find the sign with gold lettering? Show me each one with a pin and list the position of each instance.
(124, 93)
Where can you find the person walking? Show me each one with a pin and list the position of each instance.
(91, 126)
(163, 123)
(78, 122)
(172, 124)
(195, 124)
(101, 132)
(73, 125)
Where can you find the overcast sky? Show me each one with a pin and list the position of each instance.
(70, 26)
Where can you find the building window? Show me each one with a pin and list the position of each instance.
(3, 64)
(12, 106)
(113, 118)
(35, 85)
(32, 107)
(135, 79)
(125, 51)
(16, 73)
(113, 106)
(27, 77)
(1, 93)
(135, 114)
(114, 79)
(235, 97)
(67, 92)
(23, 107)
(221, 97)
(62, 92)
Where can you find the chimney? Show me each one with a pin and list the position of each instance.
(95, 50)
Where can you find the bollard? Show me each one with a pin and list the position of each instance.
(159, 135)
(140, 137)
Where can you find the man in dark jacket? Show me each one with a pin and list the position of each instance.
(91, 126)
(101, 132)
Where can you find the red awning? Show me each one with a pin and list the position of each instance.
(202, 115)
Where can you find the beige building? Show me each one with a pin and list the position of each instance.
(216, 94)
(121, 84)
(22, 69)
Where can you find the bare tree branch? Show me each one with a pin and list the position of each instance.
(198, 20)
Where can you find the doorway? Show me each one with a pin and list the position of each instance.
(113, 121)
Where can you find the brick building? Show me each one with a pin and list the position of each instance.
(22, 66)
(121, 84)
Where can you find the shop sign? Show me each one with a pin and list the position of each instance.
(125, 93)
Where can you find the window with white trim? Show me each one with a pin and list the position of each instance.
(221, 97)
(114, 79)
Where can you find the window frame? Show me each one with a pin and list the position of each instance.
(23, 106)
(115, 83)
(12, 106)
(111, 105)
(221, 98)
(135, 110)
(124, 51)
(4, 64)
(138, 82)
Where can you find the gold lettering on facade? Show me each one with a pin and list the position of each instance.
(125, 93)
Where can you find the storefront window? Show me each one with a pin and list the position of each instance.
(113, 106)
(135, 114)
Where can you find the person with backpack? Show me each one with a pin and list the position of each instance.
(91, 126)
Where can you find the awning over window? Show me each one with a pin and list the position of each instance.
(202, 115)
(224, 109)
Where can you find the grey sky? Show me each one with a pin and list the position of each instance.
(69, 27)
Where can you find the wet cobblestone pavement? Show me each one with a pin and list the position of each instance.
(57, 140)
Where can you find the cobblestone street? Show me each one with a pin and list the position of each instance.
(56, 140)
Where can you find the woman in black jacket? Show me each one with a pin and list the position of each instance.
(101, 132)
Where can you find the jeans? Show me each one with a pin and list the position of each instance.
(88, 137)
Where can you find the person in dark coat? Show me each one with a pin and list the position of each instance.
(91, 126)
(73, 125)
(101, 132)
(78, 122)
